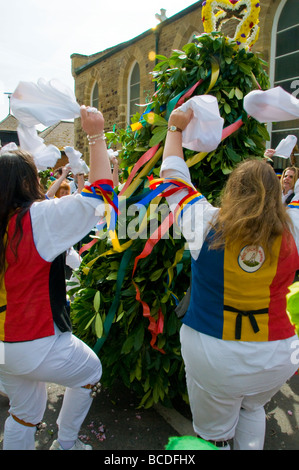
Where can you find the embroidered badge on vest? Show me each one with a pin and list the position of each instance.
(251, 258)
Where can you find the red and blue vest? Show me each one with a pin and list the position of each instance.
(32, 291)
(240, 294)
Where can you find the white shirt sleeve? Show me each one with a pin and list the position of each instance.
(294, 214)
(195, 221)
(59, 223)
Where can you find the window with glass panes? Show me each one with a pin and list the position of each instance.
(134, 91)
(95, 96)
(286, 71)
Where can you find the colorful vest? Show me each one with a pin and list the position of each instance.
(32, 291)
(241, 294)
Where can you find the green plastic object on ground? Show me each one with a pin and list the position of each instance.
(189, 443)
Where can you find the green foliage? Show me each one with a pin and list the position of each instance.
(160, 277)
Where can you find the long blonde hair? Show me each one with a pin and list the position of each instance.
(251, 207)
(296, 175)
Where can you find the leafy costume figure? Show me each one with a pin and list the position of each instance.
(135, 271)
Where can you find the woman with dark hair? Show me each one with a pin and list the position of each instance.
(236, 337)
(35, 325)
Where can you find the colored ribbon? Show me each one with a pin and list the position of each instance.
(142, 160)
(114, 306)
(227, 131)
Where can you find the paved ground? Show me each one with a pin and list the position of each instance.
(114, 422)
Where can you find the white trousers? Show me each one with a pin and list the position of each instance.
(229, 383)
(70, 363)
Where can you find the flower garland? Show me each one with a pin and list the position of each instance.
(216, 11)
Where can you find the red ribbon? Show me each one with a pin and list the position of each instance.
(231, 128)
(188, 93)
(155, 327)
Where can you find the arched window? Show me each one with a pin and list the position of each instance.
(94, 102)
(133, 91)
(285, 69)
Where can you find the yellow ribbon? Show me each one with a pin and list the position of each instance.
(178, 257)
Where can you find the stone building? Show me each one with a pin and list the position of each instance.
(60, 134)
(119, 78)
(8, 130)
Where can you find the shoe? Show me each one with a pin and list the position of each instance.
(77, 446)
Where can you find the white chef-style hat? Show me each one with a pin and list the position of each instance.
(204, 131)
(271, 105)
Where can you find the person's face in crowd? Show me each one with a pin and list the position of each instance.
(288, 181)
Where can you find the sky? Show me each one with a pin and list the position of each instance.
(38, 37)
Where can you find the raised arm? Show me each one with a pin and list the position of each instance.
(177, 122)
(56, 185)
(93, 125)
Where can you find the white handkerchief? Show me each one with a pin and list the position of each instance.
(285, 146)
(45, 156)
(204, 132)
(272, 105)
(77, 165)
(8, 148)
(46, 102)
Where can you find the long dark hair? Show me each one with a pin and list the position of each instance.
(19, 188)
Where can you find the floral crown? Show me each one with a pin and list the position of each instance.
(215, 13)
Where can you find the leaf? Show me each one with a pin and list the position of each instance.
(238, 93)
(234, 156)
(227, 108)
(128, 344)
(119, 317)
(90, 322)
(249, 142)
(97, 301)
(245, 68)
(98, 326)
(139, 337)
(231, 93)
(156, 274)
(158, 136)
(112, 276)
(154, 119)
(263, 132)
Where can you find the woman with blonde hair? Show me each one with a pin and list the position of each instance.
(288, 180)
(236, 336)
